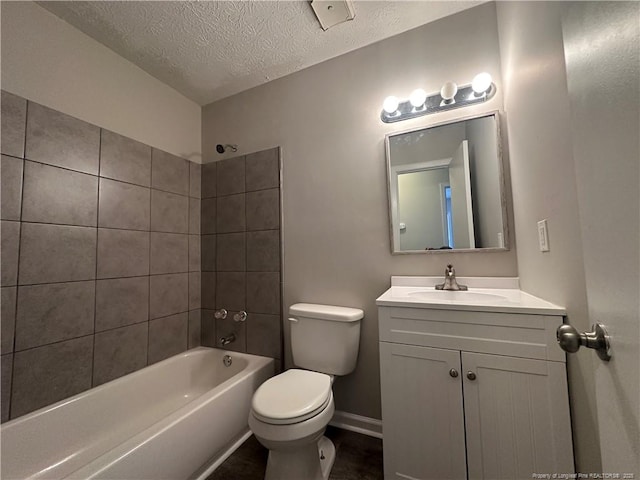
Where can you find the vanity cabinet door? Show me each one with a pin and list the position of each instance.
(423, 430)
(516, 416)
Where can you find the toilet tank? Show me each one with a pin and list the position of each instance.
(325, 338)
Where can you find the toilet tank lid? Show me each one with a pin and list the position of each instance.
(326, 312)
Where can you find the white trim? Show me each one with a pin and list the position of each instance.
(208, 470)
(357, 423)
(393, 186)
(421, 166)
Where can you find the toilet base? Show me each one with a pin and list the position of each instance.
(311, 462)
(327, 455)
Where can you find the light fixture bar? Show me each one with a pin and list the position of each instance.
(435, 103)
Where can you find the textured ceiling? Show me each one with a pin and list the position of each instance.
(209, 50)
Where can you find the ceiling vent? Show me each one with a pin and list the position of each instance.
(332, 13)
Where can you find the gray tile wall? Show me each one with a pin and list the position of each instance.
(240, 252)
(100, 255)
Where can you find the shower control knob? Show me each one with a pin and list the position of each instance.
(453, 372)
(221, 314)
(471, 375)
(240, 316)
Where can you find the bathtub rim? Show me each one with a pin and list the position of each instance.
(253, 364)
(95, 390)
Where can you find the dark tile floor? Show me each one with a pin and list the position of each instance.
(358, 457)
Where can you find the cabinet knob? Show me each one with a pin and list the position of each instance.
(471, 375)
(453, 372)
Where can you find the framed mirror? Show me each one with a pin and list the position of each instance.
(446, 187)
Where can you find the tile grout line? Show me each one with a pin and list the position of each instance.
(117, 180)
(127, 277)
(15, 313)
(149, 257)
(95, 281)
(94, 226)
(281, 316)
(189, 260)
(246, 251)
(216, 297)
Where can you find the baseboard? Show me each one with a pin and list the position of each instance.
(357, 423)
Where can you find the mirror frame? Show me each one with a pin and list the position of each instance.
(501, 181)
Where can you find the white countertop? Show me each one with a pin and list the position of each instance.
(485, 294)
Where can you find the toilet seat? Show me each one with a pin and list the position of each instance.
(292, 397)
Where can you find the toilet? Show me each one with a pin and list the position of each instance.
(289, 412)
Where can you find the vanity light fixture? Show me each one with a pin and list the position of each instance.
(481, 83)
(450, 96)
(448, 93)
(390, 105)
(417, 98)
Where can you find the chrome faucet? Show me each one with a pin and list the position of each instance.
(450, 282)
(227, 340)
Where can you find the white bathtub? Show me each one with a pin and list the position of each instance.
(167, 421)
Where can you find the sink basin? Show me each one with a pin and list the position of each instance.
(499, 294)
(459, 296)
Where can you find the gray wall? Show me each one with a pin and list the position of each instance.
(241, 259)
(487, 200)
(326, 119)
(98, 279)
(420, 208)
(48, 61)
(544, 187)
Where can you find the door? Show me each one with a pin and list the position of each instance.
(517, 417)
(461, 206)
(423, 432)
(604, 95)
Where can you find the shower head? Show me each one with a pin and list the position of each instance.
(223, 148)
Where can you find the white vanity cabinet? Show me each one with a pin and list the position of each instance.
(472, 394)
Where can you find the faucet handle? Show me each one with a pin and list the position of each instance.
(221, 314)
(240, 316)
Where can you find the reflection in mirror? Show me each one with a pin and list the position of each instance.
(446, 187)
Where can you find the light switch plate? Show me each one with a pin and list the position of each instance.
(543, 236)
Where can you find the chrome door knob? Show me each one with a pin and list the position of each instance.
(453, 372)
(471, 375)
(570, 340)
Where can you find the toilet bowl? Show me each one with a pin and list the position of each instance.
(289, 415)
(290, 412)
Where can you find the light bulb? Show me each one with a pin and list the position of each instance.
(390, 104)
(418, 97)
(448, 91)
(481, 83)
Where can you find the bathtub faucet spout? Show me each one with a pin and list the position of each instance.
(227, 340)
